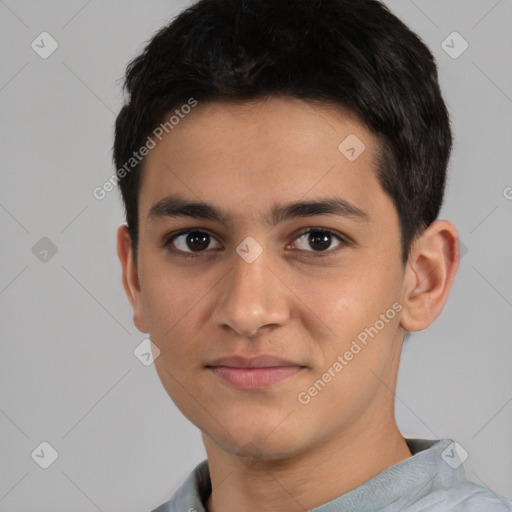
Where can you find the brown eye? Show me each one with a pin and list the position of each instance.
(319, 240)
(192, 241)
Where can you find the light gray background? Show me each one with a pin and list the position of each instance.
(68, 372)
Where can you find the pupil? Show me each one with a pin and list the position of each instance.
(319, 240)
(197, 240)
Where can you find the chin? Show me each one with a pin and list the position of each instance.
(261, 441)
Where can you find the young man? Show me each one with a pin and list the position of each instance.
(282, 165)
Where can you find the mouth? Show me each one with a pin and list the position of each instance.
(253, 373)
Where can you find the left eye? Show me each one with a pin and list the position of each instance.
(319, 239)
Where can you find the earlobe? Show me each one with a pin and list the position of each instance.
(431, 269)
(130, 277)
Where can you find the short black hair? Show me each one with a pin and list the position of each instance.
(354, 54)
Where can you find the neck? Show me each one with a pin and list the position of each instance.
(303, 481)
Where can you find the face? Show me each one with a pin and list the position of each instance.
(292, 271)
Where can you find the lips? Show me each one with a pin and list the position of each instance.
(263, 361)
(255, 372)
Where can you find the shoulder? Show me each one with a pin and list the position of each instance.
(476, 497)
(192, 492)
(467, 497)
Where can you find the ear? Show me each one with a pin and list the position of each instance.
(130, 278)
(431, 268)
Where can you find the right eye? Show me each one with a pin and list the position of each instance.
(190, 241)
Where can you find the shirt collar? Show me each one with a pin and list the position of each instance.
(403, 483)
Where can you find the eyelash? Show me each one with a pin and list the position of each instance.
(313, 254)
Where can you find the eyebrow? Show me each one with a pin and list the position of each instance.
(175, 206)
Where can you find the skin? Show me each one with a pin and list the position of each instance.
(266, 450)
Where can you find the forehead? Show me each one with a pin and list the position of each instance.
(247, 157)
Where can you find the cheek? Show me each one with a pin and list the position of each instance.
(173, 306)
(352, 313)
(338, 302)
(171, 302)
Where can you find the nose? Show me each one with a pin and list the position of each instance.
(252, 298)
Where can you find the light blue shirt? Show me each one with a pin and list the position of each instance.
(432, 480)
